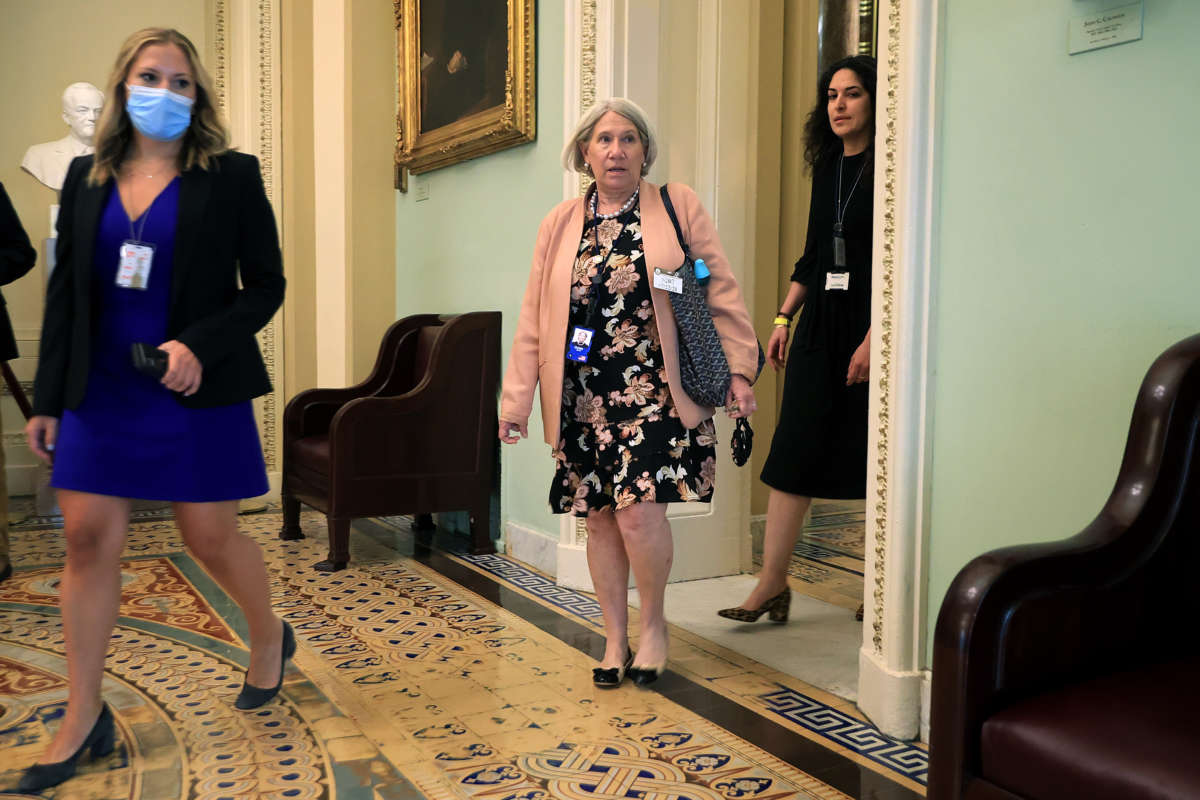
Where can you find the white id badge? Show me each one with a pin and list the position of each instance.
(837, 280)
(133, 269)
(668, 281)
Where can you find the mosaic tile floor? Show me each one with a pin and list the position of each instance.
(407, 683)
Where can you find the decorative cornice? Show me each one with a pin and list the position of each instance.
(587, 97)
(220, 68)
(886, 324)
(587, 69)
(268, 409)
(269, 423)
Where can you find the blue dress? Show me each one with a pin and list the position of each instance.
(130, 437)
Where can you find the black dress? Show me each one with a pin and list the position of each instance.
(820, 444)
(621, 440)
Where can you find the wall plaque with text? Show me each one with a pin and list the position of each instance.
(1105, 28)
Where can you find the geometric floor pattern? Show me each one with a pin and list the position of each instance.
(788, 702)
(405, 684)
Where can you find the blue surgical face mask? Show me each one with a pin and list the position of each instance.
(158, 113)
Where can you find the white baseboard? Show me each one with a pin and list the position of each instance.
(926, 695)
(532, 547)
(573, 568)
(890, 699)
(274, 481)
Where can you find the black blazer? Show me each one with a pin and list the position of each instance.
(17, 257)
(225, 230)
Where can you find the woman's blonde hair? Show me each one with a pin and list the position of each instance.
(572, 157)
(206, 135)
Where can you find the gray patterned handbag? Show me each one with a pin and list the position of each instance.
(703, 368)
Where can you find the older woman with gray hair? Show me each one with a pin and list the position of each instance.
(597, 332)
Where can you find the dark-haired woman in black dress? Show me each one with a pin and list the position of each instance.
(820, 445)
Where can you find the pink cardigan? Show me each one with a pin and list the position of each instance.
(539, 347)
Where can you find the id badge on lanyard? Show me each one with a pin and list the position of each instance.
(133, 267)
(580, 344)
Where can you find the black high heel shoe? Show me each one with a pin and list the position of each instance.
(611, 677)
(251, 696)
(101, 740)
(778, 607)
(644, 676)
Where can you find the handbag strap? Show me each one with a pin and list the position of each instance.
(666, 198)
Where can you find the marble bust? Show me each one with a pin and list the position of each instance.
(48, 162)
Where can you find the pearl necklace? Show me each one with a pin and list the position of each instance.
(628, 205)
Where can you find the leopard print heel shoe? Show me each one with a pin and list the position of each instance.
(777, 607)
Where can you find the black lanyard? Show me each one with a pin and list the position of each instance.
(593, 294)
(839, 213)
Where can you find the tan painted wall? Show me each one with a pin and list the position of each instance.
(366, 175)
(299, 187)
(371, 135)
(46, 45)
(788, 75)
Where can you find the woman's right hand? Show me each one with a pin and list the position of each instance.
(777, 347)
(41, 433)
(506, 432)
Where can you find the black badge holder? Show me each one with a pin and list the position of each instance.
(149, 361)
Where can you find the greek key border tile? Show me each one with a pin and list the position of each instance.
(837, 727)
(842, 729)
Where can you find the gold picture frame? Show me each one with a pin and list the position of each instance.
(454, 103)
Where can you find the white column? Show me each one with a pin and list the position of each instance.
(892, 657)
(246, 45)
(330, 139)
(699, 103)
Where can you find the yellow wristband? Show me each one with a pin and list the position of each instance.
(784, 321)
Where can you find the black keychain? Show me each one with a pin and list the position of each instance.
(742, 442)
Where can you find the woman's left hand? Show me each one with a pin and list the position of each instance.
(184, 370)
(739, 402)
(860, 363)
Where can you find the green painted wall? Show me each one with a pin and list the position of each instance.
(1066, 260)
(468, 248)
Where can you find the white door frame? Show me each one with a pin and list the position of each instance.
(613, 49)
(245, 37)
(598, 44)
(892, 657)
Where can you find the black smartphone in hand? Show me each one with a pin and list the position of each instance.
(149, 360)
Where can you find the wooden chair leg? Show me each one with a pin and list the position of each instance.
(291, 518)
(339, 545)
(481, 535)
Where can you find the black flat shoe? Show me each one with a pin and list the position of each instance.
(101, 740)
(252, 696)
(644, 676)
(5, 573)
(611, 677)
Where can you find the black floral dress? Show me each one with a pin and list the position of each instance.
(621, 440)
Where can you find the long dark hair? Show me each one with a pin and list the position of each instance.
(820, 142)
